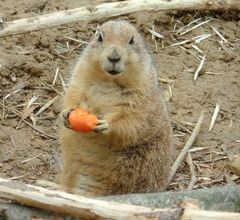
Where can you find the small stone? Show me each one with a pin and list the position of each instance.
(14, 78)
(234, 166)
(167, 96)
(1, 24)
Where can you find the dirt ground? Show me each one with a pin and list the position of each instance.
(28, 63)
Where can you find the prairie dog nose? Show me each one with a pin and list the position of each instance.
(114, 56)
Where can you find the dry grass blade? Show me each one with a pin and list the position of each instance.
(201, 37)
(19, 177)
(189, 70)
(193, 176)
(216, 159)
(62, 82)
(55, 76)
(8, 95)
(200, 67)
(4, 98)
(39, 130)
(196, 26)
(188, 25)
(15, 145)
(212, 73)
(197, 48)
(180, 43)
(29, 124)
(29, 108)
(27, 112)
(67, 45)
(220, 35)
(31, 101)
(50, 87)
(170, 92)
(29, 159)
(76, 40)
(33, 119)
(165, 80)
(188, 123)
(46, 106)
(197, 149)
(196, 39)
(187, 146)
(189, 51)
(156, 34)
(181, 127)
(231, 123)
(214, 116)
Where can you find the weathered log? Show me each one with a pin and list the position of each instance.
(225, 198)
(80, 206)
(89, 208)
(108, 10)
(12, 211)
(21, 212)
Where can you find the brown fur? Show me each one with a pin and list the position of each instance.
(134, 155)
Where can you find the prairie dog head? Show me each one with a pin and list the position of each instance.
(117, 50)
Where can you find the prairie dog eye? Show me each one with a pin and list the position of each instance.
(100, 37)
(131, 41)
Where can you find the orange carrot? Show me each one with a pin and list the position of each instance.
(82, 121)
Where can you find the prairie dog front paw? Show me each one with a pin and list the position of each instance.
(102, 127)
(64, 117)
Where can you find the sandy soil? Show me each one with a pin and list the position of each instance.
(28, 63)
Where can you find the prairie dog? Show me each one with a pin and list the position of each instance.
(130, 150)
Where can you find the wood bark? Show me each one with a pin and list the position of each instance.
(108, 10)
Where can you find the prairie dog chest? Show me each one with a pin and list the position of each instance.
(102, 97)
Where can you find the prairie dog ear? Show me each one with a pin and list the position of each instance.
(98, 34)
(97, 30)
(100, 37)
(131, 41)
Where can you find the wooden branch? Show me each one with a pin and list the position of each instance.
(86, 208)
(108, 10)
(202, 215)
(187, 146)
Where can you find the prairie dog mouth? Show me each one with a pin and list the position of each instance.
(113, 69)
(113, 72)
